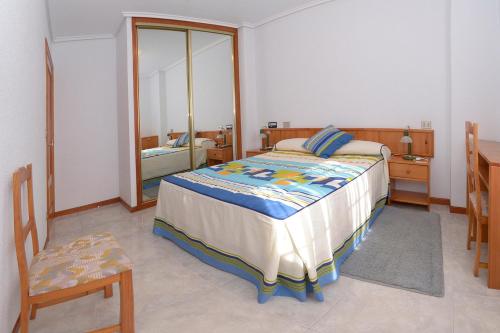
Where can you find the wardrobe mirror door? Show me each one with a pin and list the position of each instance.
(163, 106)
(213, 98)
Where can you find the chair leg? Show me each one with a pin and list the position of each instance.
(479, 240)
(469, 227)
(127, 303)
(24, 317)
(34, 307)
(108, 291)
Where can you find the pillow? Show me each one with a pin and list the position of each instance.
(327, 141)
(181, 140)
(170, 142)
(199, 142)
(295, 144)
(360, 147)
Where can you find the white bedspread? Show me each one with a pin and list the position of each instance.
(293, 248)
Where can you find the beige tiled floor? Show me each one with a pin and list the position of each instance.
(174, 292)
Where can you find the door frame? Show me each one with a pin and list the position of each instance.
(183, 26)
(49, 123)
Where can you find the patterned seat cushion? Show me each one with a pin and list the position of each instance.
(484, 202)
(86, 259)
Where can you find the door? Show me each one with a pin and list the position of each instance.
(49, 110)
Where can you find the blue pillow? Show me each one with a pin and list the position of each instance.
(181, 140)
(327, 141)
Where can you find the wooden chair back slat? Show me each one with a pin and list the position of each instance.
(472, 149)
(469, 132)
(21, 176)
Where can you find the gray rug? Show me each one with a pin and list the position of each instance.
(403, 250)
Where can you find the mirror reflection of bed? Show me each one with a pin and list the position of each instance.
(161, 161)
(164, 104)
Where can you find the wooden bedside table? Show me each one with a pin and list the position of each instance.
(219, 155)
(414, 171)
(255, 152)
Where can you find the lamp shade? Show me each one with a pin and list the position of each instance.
(406, 139)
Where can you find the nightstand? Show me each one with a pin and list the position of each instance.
(413, 171)
(219, 155)
(255, 152)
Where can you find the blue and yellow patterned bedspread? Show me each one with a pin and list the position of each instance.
(276, 184)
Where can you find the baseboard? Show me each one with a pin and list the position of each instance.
(86, 207)
(440, 201)
(126, 205)
(458, 210)
(145, 205)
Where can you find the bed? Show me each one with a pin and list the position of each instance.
(166, 160)
(284, 220)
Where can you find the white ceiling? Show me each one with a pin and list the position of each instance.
(71, 18)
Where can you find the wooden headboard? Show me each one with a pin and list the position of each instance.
(149, 142)
(208, 134)
(423, 140)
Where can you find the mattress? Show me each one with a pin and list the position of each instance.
(166, 160)
(291, 248)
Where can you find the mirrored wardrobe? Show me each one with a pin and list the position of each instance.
(186, 98)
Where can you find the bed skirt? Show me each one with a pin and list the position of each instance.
(283, 286)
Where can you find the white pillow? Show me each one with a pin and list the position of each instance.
(354, 147)
(200, 142)
(360, 147)
(170, 142)
(292, 145)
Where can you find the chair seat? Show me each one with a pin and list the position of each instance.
(484, 202)
(86, 259)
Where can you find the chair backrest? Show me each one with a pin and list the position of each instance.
(472, 153)
(469, 133)
(21, 231)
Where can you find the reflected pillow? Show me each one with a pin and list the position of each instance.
(200, 142)
(327, 141)
(181, 140)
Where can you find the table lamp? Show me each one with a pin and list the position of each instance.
(264, 135)
(407, 140)
(221, 137)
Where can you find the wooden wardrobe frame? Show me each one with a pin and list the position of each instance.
(182, 26)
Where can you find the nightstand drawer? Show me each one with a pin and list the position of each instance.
(408, 171)
(215, 154)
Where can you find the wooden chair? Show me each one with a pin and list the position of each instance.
(477, 200)
(471, 228)
(87, 265)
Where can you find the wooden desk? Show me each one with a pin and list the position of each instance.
(489, 170)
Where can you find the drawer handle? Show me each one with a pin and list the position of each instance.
(407, 172)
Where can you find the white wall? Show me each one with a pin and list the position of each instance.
(475, 63)
(125, 114)
(212, 89)
(144, 105)
(149, 98)
(86, 153)
(358, 63)
(23, 27)
(248, 90)
(176, 95)
(213, 86)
